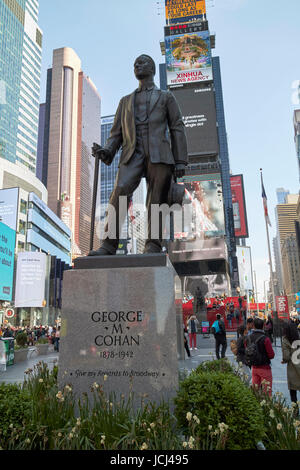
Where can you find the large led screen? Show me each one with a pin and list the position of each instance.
(30, 280)
(204, 215)
(7, 256)
(178, 11)
(198, 110)
(9, 199)
(243, 254)
(239, 206)
(188, 58)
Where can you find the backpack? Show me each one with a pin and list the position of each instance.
(215, 327)
(253, 356)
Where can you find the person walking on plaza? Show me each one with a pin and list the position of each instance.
(289, 347)
(192, 330)
(268, 327)
(219, 332)
(186, 343)
(258, 355)
(57, 338)
(249, 325)
(241, 350)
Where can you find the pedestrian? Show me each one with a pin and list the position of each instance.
(241, 351)
(289, 347)
(219, 332)
(229, 319)
(57, 338)
(258, 355)
(192, 329)
(186, 343)
(237, 315)
(268, 327)
(249, 325)
(240, 301)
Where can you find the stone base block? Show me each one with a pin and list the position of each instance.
(122, 329)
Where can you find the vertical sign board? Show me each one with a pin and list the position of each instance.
(245, 267)
(7, 254)
(185, 10)
(9, 200)
(188, 58)
(30, 280)
(239, 206)
(282, 306)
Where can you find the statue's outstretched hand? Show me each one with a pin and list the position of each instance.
(179, 171)
(103, 154)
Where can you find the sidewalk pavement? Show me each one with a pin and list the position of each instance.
(205, 351)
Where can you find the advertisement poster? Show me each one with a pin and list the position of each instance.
(282, 306)
(204, 216)
(9, 200)
(239, 206)
(199, 115)
(178, 11)
(245, 268)
(7, 257)
(30, 280)
(188, 58)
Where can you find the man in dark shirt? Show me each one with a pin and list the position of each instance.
(140, 127)
(262, 372)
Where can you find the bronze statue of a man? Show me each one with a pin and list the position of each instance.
(140, 128)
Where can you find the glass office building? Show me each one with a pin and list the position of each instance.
(20, 69)
(108, 174)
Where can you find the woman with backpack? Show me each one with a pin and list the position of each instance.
(289, 348)
(239, 351)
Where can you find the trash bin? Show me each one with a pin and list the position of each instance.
(9, 350)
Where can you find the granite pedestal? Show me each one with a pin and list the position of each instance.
(122, 326)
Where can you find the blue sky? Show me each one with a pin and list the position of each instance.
(258, 44)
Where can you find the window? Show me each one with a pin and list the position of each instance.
(23, 206)
(22, 227)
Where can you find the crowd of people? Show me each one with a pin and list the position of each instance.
(34, 334)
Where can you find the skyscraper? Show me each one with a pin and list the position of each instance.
(72, 116)
(281, 194)
(108, 175)
(20, 70)
(297, 135)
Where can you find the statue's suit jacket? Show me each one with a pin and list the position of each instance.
(164, 113)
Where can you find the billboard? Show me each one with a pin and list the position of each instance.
(282, 306)
(204, 215)
(9, 200)
(245, 268)
(188, 58)
(239, 206)
(30, 280)
(7, 257)
(197, 250)
(199, 115)
(184, 10)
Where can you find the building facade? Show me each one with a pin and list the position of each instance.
(72, 114)
(297, 135)
(290, 267)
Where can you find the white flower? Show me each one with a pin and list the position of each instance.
(68, 388)
(210, 427)
(41, 381)
(71, 435)
(262, 403)
(95, 385)
(144, 446)
(152, 425)
(184, 444)
(191, 442)
(105, 378)
(279, 426)
(27, 441)
(59, 434)
(272, 414)
(196, 419)
(189, 416)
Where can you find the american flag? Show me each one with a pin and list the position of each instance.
(265, 199)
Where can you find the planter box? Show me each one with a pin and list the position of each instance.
(42, 349)
(21, 355)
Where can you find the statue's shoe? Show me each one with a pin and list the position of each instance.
(101, 252)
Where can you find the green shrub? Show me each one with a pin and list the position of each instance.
(42, 341)
(216, 397)
(15, 411)
(221, 365)
(21, 339)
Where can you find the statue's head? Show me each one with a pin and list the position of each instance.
(144, 66)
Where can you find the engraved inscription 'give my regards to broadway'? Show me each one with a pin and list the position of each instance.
(116, 328)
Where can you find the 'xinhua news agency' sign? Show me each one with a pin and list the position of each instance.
(282, 306)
